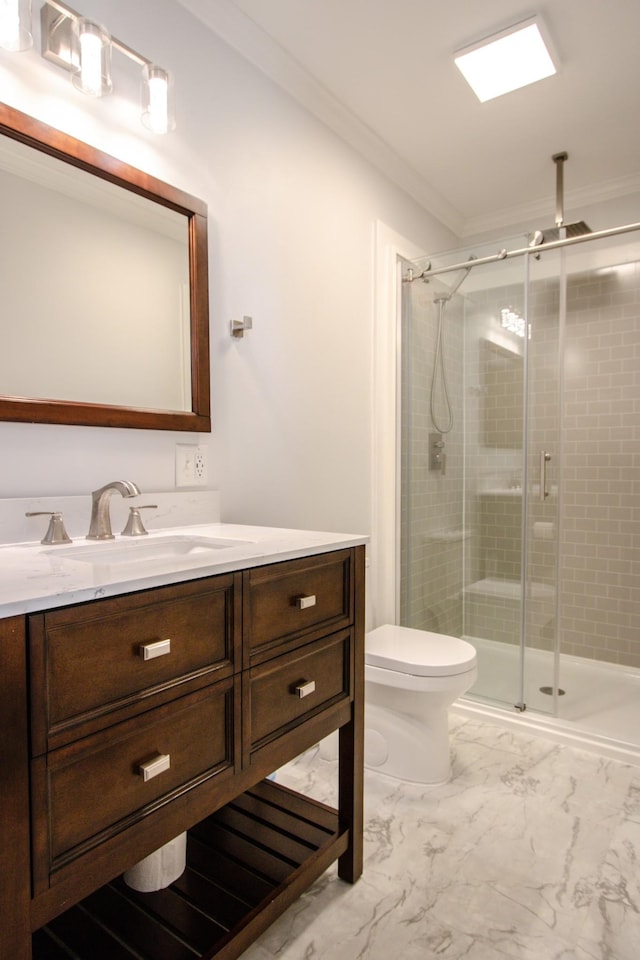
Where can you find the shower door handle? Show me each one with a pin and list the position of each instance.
(544, 460)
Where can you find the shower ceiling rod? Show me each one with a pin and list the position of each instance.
(535, 250)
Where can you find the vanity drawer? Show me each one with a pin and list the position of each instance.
(288, 690)
(99, 786)
(109, 655)
(284, 601)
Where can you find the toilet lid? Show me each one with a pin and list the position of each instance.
(418, 652)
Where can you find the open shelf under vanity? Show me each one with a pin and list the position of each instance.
(245, 864)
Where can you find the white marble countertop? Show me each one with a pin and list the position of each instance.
(38, 577)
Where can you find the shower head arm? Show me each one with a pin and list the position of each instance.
(559, 160)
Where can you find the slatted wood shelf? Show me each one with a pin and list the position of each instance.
(245, 864)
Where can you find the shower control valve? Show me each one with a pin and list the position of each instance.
(436, 451)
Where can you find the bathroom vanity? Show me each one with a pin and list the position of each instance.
(153, 698)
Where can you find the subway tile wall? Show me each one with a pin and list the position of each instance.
(600, 531)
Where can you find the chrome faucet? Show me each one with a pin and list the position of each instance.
(100, 527)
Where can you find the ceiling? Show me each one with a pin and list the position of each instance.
(381, 73)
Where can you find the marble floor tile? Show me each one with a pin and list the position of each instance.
(612, 931)
(632, 805)
(530, 852)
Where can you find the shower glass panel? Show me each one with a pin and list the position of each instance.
(464, 490)
(432, 499)
(496, 472)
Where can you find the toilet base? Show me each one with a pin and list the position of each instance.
(411, 679)
(406, 748)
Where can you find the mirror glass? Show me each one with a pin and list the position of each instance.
(104, 312)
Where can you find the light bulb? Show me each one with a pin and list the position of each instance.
(90, 68)
(92, 46)
(158, 100)
(157, 113)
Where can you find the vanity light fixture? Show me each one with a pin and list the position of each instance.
(84, 49)
(506, 61)
(15, 25)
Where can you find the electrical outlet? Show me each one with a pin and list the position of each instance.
(191, 465)
(200, 467)
(186, 464)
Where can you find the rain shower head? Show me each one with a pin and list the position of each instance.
(577, 229)
(561, 230)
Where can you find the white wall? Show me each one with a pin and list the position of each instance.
(292, 216)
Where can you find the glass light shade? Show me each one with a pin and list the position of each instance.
(157, 99)
(92, 54)
(15, 25)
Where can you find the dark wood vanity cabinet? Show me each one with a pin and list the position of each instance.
(126, 721)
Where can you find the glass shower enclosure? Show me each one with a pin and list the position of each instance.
(520, 449)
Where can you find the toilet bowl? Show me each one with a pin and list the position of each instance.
(411, 679)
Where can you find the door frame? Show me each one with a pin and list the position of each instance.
(390, 248)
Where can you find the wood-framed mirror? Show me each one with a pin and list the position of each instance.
(104, 316)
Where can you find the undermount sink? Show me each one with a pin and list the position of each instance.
(155, 548)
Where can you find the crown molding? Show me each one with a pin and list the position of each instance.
(541, 212)
(244, 35)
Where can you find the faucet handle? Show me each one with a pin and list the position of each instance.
(56, 532)
(135, 526)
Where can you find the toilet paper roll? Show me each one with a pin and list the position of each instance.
(544, 530)
(160, 868)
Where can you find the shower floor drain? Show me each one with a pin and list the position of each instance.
(549, 691)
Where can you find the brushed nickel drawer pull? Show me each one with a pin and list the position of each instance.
(305, 688)
(152, 768)
(149, 651)
(303, 602)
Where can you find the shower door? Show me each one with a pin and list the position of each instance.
(519, 510)
(479, 464)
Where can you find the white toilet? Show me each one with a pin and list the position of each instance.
(411, 679)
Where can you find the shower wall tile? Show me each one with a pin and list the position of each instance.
(599, 529)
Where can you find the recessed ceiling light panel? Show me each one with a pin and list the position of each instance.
(506, 61)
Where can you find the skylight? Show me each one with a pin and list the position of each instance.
(506, 61)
